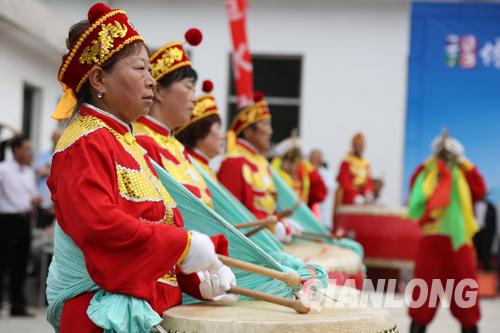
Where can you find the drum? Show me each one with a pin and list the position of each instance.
(388, 238)
(256, 316)
(332, 258)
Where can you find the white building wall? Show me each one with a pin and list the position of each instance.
(29, 54)
(23, 61)
(354, 71)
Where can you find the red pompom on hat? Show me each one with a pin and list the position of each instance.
(193, 36)
(97, 11)
(207, 86)
(205, 106)
(172, 56)
(258, 96)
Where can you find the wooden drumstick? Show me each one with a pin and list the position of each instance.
(309, 237)
(158, 329)
(297, 305)
(270, 220)
(292, 279)
(255, 230)
(288, 212)
(318, 235)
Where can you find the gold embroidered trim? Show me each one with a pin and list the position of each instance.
(186, 249)
(82, 126)
(171, 69)
(252, 114)
(198, 112)
(260, 181)
(82, 38)
(184, 172)
(132, 183)
(100, 47)
(163, 48)
(108, 56)
(137, 152)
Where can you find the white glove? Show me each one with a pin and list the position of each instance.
(201, 255)
(213, 285)
(451, 144)
(369, 197)
(359, 199)
(281, 233)
(295, 226)
(456, 148)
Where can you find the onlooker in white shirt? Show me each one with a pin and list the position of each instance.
(486, 217)
(7, 132)
(18, 197)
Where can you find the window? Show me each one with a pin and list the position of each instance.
(279, 78)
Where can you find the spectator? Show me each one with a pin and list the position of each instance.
(18, 196)
(486, 217)
(5, 139)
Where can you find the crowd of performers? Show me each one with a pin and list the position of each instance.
(125, 109)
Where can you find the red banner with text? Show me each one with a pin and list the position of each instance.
(242, 59)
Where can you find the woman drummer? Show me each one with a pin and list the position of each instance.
(173, 106)
(107, 199)
(202, 135)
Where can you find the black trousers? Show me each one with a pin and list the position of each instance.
(44, 218)
(483, 240)
(15, 243)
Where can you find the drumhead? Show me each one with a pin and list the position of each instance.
(262, 317)
(371, 210)
(333, 258)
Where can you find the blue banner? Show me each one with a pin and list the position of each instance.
(454, 83)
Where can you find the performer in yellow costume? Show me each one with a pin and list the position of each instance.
(354, 178)
(297, 172)
(173, 106)
(245, 171)
(202, 135)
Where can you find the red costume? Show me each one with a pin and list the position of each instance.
(307, 183)
(353, 179)
(167, 151)
(107, 198)
(204, 107)
(114, 208)
(247, 175)
(202, 161)
(156, 138)
(436, 258)
(312, 185)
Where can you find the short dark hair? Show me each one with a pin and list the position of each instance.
(17, 142)
(179, 74)
(197, 131)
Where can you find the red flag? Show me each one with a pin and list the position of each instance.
(242, 59)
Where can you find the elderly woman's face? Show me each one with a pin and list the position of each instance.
(129, 86)
(213, 144)
(178, 101)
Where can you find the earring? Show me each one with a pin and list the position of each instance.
(99, 95)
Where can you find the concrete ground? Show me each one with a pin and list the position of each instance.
(443, 323)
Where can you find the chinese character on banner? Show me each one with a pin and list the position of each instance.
(461, 51)
(468, 48)
(242, 59)
(490, 54)
(452, 50)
